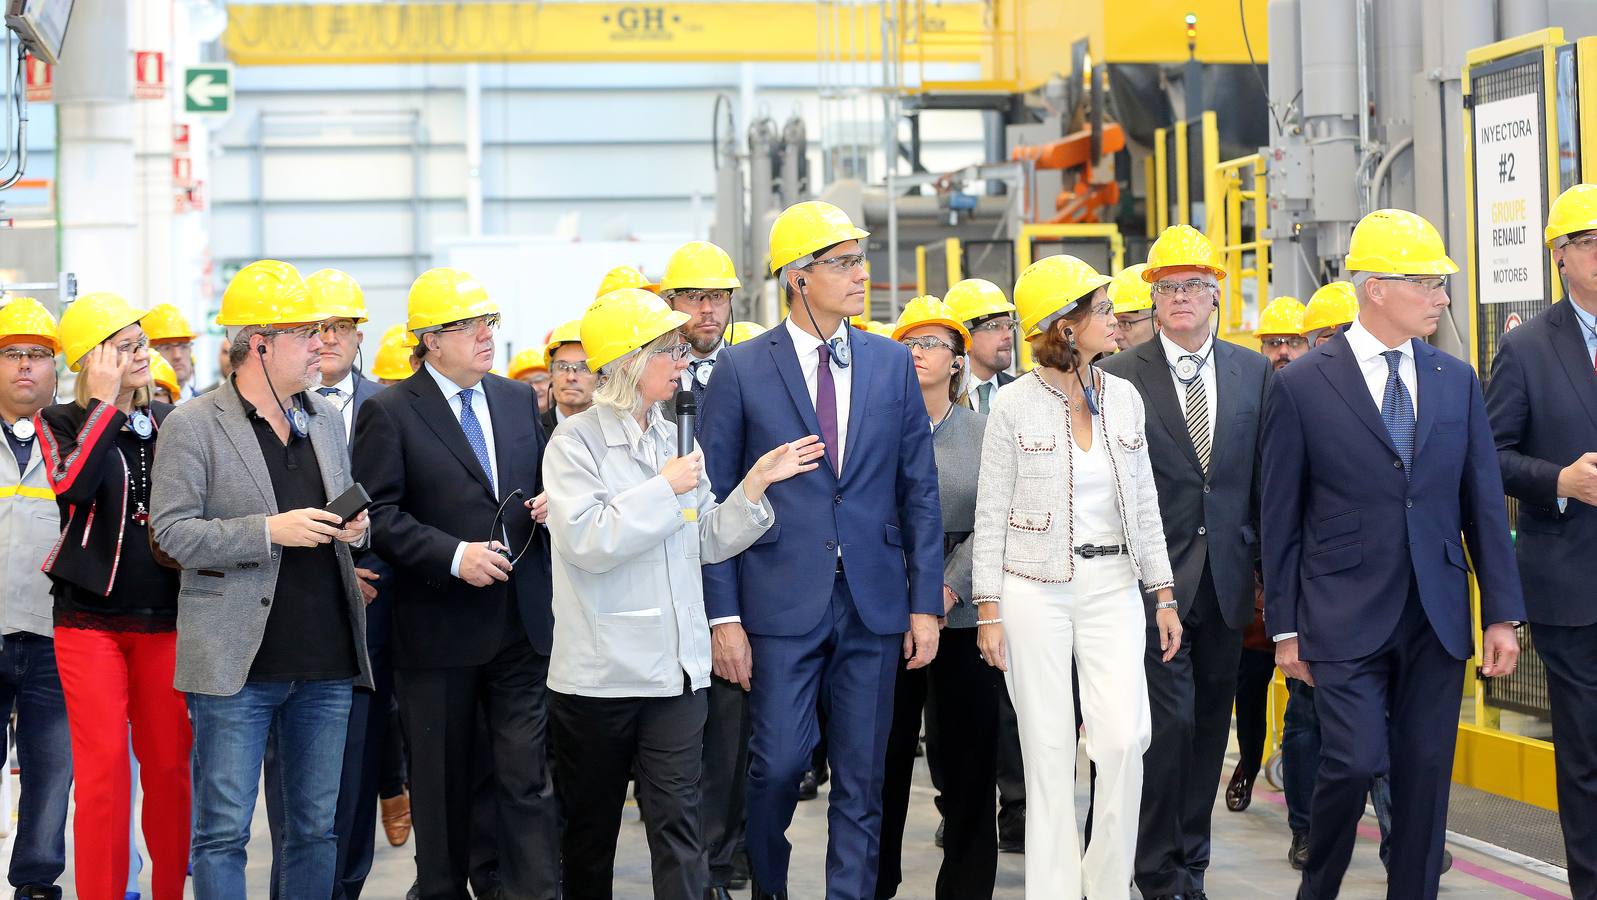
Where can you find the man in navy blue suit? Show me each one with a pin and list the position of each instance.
(1542, 398)
(1378, 470)
(851, 575)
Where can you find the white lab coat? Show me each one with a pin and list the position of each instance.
(628, 594)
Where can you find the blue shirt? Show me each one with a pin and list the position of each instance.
(1588, 327)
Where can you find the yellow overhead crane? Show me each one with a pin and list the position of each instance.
(1019, 44)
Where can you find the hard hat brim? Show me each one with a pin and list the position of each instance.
(852, 233)
(907, 327)
(1151, 275)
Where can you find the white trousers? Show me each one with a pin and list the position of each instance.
(1098, 619)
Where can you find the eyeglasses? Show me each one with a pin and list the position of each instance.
(341, 328)
(570, 368)
(699, 298)
(490, 321)
(1585, 241)
(17, 356)
(313, 330)
(677, 353)
(1192, 287)
(927, 342)
(996, 323)
(1135, 320)
(840, 263)
(1104, 310)
(1276, 343)
(133, 346)
(1423, 282)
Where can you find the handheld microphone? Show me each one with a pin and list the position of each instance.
(687, 409)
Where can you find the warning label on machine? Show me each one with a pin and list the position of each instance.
(1509, 161)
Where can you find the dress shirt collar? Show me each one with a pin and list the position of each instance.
(714, 354)
(346, 387)
(449, 388)
(1587, 321)
(1174, 351)
(1367, 347)
(621, 429)
(805, 343)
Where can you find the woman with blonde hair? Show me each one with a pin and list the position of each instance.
(115, 605)
(1067, 525)
(631, 521)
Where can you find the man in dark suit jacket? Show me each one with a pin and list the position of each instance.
(442, 454)
(850, 579)
(1542, 399)
(1203, 398)
(1369, 507)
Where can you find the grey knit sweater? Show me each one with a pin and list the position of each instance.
(957, 444)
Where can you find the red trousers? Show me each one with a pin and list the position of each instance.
(111, 680)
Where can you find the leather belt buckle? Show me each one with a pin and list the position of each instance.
(1092, 551)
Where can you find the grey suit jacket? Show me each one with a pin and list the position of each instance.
(210, 496)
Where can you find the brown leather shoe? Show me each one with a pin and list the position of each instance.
(396, 819)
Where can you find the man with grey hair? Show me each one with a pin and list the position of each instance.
(271, 624)
(1203, 398)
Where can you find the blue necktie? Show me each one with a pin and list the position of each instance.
(1397, 411)
(474, 437)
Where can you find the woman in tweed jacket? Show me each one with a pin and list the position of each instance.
(962, 691)
(1067, 525)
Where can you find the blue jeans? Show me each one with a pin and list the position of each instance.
(305, 722)
(28, 680)
(1300, 765)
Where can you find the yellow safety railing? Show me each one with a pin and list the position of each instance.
(1232, 189)
(953, 268)
(1084, 231)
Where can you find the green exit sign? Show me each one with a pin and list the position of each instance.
(208, 88)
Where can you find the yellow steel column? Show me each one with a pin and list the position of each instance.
(1183, 165)
(1149, 171)
(1210, 133)
(1161, 185)
(953, 255)
(920, 269)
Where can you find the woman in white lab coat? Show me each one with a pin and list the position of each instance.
(631, 522)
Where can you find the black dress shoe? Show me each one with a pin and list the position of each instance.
(809, 786)
(938, 837)
(1239, 793)
(1298, 853)
(739, 879)
(717, 892)
(1013, 838)
(762, 894)
(414, 893)
(38, 892)
(1197, 895)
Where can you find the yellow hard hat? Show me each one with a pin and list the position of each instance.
(1283, 315)
(1397, 242)
(624, 277)
(622, 321)
(528, 360)
(1129, 292)
(1574, 210)
(742, 331)
(804, 228)
(267, 292)
(700, 264)
(1182, 247)
(25, 319)
(977, 298)
(929, 310)
(1052, 286)
(338, 293)
(393, 355)
(163, 375)
(883, 329)
(165, 323)
(568, 333)
(91, 319)
(441, 296)
(1333, 305)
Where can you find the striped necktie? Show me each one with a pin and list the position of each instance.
(1198, 422)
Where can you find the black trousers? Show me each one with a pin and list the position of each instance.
(1253, 704)
(1011, 772)
(1382, 714)
(963, 691)
(1570, 655)
(1189, 699)
(726, 766)
(599, 744)
(440, 710)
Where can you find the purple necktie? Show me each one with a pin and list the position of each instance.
(826, 405)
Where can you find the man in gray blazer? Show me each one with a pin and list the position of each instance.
(271, 624)
(1203, 398)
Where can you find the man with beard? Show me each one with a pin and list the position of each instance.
(29, 683)
(1280, 332)
(699, 281)
(271, 624)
